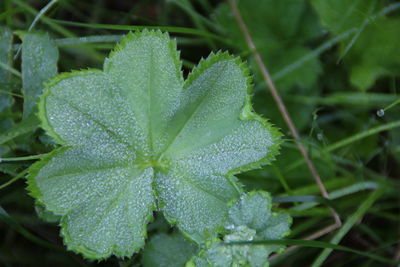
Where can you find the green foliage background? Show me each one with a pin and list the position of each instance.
(336, 64)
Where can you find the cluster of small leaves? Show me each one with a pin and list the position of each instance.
(136, 138)
(250, 219)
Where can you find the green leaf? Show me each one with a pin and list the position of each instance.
(341, 15)
(39, 63)
(280, 30)
(164, 250)
(372, 52)
(250, 219)
(136, 137)
(375, 53)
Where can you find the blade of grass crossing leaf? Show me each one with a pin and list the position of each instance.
(36, 19)
(305, 199)
(341, 193)
(197, 19)
(315, 53)
(19, 129)
(57, 28)
(366, 133)
(348, 225)
(327, 45)
(395, 103)
(39, 63)
(45, 20)
(23, 158)
(41, 13)
(88, 39)
(332, 184)
(348, 99)
(313, 244)
(356, 35)
(136, 27)
(10, 69)
(348, 141)
(16, 178)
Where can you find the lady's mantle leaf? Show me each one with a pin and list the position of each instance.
(136, 136)
(249, 219)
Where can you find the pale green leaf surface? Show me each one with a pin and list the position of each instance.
(39, 63)
(135, 136)
(164, 250)
(249, 219)
(376, 53)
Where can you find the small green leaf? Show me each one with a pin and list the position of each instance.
(135, 136)
(250, 219)
(39, 63)
(164, 250)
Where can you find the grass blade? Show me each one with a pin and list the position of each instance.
(348, 225)
(314, 244)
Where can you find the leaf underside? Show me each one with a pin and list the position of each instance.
(136, 137)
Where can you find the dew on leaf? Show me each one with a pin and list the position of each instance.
(135, 135)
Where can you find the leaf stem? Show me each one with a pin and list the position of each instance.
(39, 156)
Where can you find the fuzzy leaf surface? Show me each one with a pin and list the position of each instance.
(136, 137)
(249, 219)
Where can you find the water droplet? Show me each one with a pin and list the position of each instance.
(380, 113)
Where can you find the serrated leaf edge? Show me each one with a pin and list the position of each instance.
(45, 124)
(247, 113)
